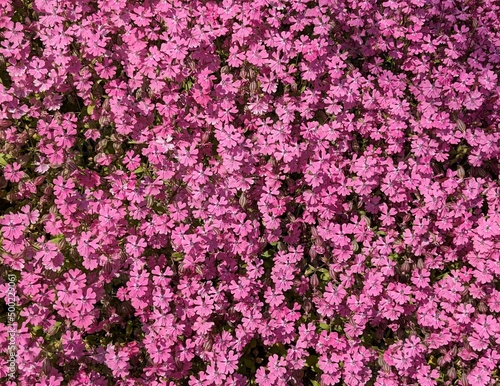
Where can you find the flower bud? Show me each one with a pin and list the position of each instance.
(367, 220)
(461, 125)
(332, 273)
(61, 244)
(48, 190)
(464, 380)
(53, 210)
(252, 72)
(312, 253)
(307, 306)
(206, 136)
(452, 373)
(38, 180)
(314, 233)
(53, 329)
(4, 123)
(243, 200)
(482, 307)
(225, 69)
(105, 104)
(460, 172)
(46, 366)
(355, 145)
(108, 267)
(482, 173)
(281, 246)
(314, 280)
(253, 86)
(406, 266)
(420, 264)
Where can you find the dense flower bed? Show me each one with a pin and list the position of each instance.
(258, 192)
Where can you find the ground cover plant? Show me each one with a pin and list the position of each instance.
(257, 192)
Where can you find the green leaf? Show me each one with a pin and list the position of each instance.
(324, 326)
(56, 239)
(309, 271)
(90, 109)
(312, 360)
(3, 161)
(315, 383)
(267, 254)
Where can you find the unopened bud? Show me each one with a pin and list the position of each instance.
(367, 220)
(482, 307)
(460, 172)
(252, 72)
(38, 180)
(332, 273)
(312, 253)
(105, 104)
(208, 344)
(452, 373)
(406, 266)
(307, 306)
(314, 280)
(61, 244)
(253, 86)
(48, 190)
(4, 123)
(53, 210)
(420, 264)
(46, 366)
(243, 200)
(205, 137)
(461, 125)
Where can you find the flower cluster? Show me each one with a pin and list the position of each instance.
(265, 192)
